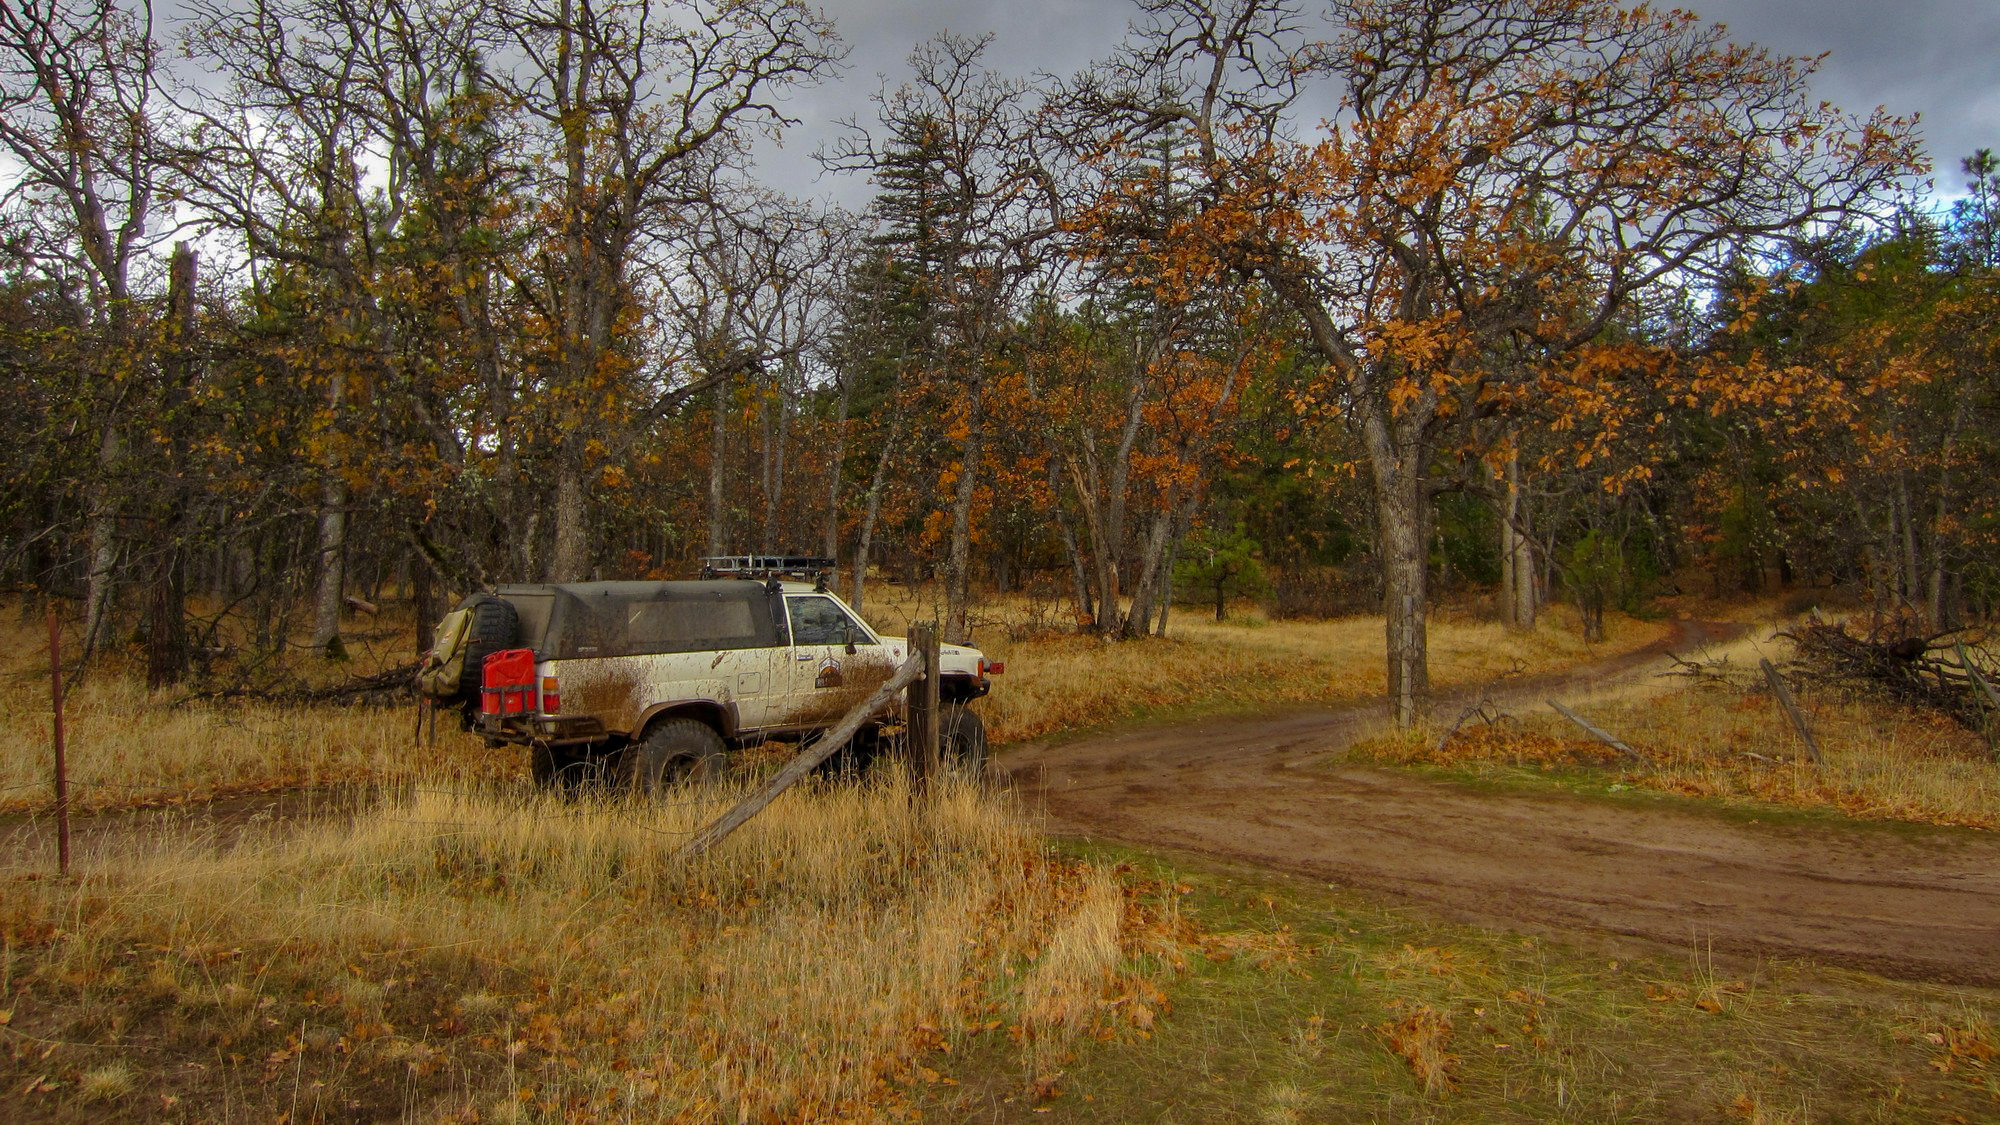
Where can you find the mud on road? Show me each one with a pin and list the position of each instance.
(1904, 901)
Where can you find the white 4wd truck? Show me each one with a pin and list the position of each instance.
(653, 683)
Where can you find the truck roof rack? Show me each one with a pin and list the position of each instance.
(810, 567)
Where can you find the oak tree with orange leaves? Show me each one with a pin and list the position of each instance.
(1490, 184)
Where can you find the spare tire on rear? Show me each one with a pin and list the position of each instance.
(494, 626)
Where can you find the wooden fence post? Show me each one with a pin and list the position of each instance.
(62, 765)
(925, 718)
(1784, 694)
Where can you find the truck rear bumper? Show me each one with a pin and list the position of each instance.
(552, 729)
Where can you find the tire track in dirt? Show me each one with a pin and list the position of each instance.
(1905, 901)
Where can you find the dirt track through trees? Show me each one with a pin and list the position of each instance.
(1904, 901)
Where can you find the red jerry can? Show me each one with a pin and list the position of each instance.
(509, 684)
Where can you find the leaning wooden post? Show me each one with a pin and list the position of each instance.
(1595, 732)
(62, 765)
(924, 706)
(809, 758)
(1784, 694)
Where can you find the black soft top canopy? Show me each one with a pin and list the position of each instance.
(567, 620)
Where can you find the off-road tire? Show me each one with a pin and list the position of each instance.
(495, 626)
(544, 765)
(673, 752)
(852, 761)
(553, 767)
(962, 744)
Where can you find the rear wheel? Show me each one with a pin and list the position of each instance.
(962, 744)
(554, 767)
(673, 752)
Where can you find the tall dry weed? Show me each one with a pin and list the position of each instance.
(559, 958)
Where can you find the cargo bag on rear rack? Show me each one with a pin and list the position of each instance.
(444, 664)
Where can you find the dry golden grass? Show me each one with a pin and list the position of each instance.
(457, 956)
(1059, 681)
(128, 745)
(131, 746)
(1731, 741)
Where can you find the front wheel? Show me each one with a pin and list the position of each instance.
(962, 744)
(673, 751)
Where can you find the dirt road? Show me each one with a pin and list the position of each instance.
(1908, 902)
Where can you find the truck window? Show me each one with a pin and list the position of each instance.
(683, 625)
(534, 611)
(820, 621)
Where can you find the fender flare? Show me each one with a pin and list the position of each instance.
(721, 716)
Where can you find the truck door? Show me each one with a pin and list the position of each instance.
(834, 662)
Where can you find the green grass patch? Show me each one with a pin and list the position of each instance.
(1302, 1004)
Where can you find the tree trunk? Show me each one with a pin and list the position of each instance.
(1906, 513)
(958, 560)
(1403, 524)
(1079, 576)
(1518, 594)
(332, 530)
(830, 530)
(772, 429)
(718, 446)
(1872, 567)
(166, 632)
(423, 599)
(570, 560)
(870, 509)
(1943, 611)
(332, 556)
(103, 581)
(1154, 549)
(1105, 616)
(1167, 574)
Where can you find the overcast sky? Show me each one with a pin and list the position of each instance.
(1937, 58)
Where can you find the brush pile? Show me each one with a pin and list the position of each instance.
(1936, 672)
(391, 687)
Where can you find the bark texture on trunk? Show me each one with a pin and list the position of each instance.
(829, 541)
(1402, 510)
(570, 560)
(958, 561)
(1518, 593)
(332, 533)
(332, 564)
(103, 582)
(718, 447)
(870, 509)
(1151, 554)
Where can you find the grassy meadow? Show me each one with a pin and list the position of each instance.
(1722, 736)
(1062, 681)
(129, 746)
(464, 950)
